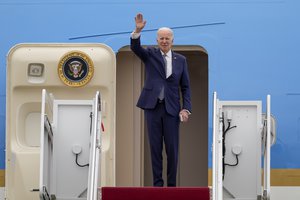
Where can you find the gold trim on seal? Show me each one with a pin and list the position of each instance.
(79, 72)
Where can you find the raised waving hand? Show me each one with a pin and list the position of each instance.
(139, 23)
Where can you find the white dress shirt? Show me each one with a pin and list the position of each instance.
(168, 57)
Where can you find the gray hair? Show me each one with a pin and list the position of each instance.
(166, 29)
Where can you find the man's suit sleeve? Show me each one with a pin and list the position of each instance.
(185, 88)
(135, 46)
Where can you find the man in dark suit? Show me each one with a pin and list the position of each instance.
(166, 75)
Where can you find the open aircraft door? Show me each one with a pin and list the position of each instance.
(73, 73)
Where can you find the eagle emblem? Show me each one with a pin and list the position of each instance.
(75, 69)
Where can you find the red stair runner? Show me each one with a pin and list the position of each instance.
(155, 193)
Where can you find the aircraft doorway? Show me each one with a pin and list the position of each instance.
(133, 166)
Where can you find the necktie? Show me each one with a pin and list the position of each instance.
(166, 63)
(161, 95)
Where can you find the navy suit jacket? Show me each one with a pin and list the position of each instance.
(156, 78)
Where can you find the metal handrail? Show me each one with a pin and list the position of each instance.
(217, 190)
(95, 151)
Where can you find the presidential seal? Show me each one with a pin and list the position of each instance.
(75, 69)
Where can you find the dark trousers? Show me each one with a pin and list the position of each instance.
(163, 127)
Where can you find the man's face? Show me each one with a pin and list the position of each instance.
(164, 40)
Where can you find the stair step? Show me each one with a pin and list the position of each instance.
(155, 193)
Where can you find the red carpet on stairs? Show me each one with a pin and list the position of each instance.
(155, 193)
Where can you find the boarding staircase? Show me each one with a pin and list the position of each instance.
(55, 178)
